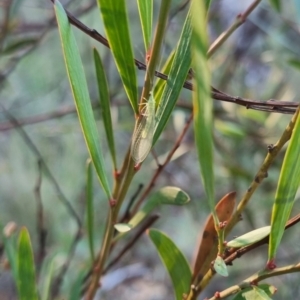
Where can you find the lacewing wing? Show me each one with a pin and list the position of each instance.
(143, 132)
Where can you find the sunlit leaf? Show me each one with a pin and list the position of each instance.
(249, 237)
(123, 227)
(288, 184)
(174, 261)
(81, 95)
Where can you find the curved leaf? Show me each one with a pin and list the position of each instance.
(167, 195)
(288, 184)
(174, 261)
(115, 21)
(249, 237)
(81, 95)
(26, 270)
(105, 107)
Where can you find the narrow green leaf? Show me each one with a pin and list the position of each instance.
(202, 102)
(114, 16)
(47, 278)
(90, 207)
(105, 106)
(177, 76)
(76, 290)
(249, 237)
(174, 261)
(123, 227)
(220, 266)
(26, 270)
(276, 4)
(146, 16)
(16, 45)
(81, 95)
(288, 184)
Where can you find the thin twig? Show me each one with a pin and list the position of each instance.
(4, 126)
(148, 222)
(262, 173)
(255, 279)
(127, 214)
(241, 18)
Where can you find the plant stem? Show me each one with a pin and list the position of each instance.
(240, 19)
(259, 177)
(257, 277)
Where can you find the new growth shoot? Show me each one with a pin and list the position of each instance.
(143, 133)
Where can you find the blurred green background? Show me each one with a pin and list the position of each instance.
(260, 61)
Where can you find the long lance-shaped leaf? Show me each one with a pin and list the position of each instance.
(26, 270)
(114, 16)
(177, 76)
(202, 102)
(174, 261)
(90, 208)
(146, 16)
(105, 107)
(288, 184)
(81, 95)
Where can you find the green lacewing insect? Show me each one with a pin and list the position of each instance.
(143, 132)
